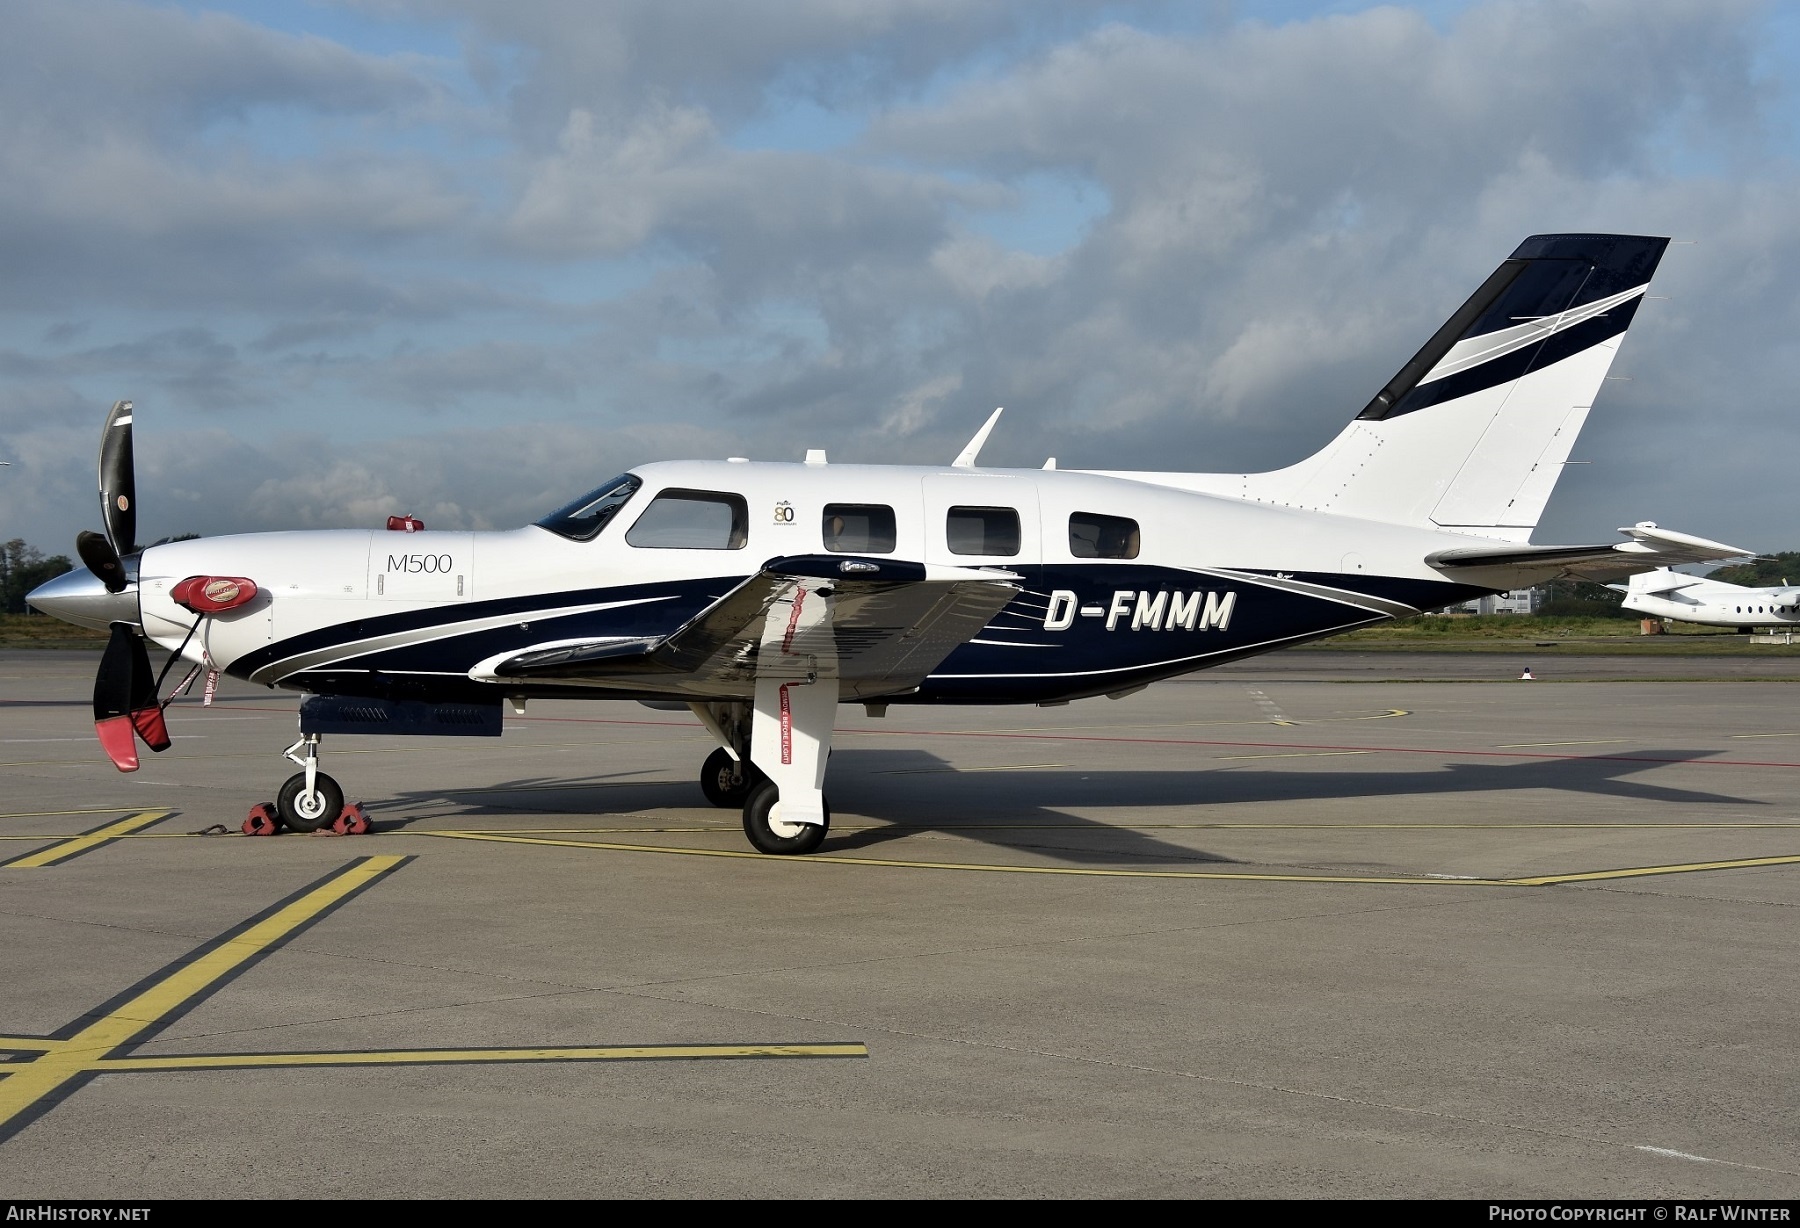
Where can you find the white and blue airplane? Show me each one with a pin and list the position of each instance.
(1713, 603)
(762, 595)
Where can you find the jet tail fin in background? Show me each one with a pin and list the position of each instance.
(1659, 582)
(1472, 433)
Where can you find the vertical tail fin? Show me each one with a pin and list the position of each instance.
(1472, 434)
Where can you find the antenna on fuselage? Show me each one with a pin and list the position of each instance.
(966, 458)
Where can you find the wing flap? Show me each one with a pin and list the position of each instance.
(893, 622)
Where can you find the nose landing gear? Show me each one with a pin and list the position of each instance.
(309, 799)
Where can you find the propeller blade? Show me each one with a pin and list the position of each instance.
(146, 712)
(112, 699)
(118, 481)
(101, 559)
(125, 700)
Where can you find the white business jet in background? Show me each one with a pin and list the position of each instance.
(762, 595)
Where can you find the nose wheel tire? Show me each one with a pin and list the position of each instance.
(303, 811)
(771, 835)
(717, 783)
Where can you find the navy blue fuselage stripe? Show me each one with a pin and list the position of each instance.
(674, 600)
(1015, 659)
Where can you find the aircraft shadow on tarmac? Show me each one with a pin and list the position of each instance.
(916, 791)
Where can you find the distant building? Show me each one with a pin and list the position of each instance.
(1518, 601)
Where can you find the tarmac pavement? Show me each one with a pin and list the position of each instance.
(1290, 928)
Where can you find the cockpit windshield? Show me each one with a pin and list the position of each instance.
(583, 519)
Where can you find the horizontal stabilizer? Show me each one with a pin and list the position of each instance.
(1647, 549)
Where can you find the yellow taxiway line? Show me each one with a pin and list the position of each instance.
(44, 814)
(86, 842)
(952, 828)
(438, 1057)
(1692, 867)
(54, 1066)
(30, 1084)
(1086, 872)
(827, 859)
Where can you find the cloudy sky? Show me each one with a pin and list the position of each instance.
(466, 258)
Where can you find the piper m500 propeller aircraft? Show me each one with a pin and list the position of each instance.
(1713, 603)
(762, 595)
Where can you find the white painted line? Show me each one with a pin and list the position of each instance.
(961, 771)
(1584, 742)
(1679, 1155)
(1303, 754)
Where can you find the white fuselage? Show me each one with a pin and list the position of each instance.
(330, 597)
(1713, 603)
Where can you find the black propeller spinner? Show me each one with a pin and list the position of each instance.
(104, 554)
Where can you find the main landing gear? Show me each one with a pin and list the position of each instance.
(309, 799)
(727, 781)
(732, 784)
(773, 747)
(769, 834)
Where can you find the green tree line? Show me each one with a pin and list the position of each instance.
(1767, 572)
(23, 568)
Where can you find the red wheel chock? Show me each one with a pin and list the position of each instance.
(352, 820)
(262, 820)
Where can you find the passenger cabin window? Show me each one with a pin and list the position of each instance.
(859, 528)
(583, 519)
(692, 520)
(1093, 536)
(993, 531)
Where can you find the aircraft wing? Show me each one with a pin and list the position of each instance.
(892, 623)
(1647, 549)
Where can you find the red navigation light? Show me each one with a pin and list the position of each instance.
(405, 524)
(212, 594)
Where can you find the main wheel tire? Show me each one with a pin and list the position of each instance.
(773, 836)
(716, 780)
(309, 812)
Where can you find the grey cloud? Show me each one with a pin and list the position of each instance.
(131, 171)
(88, 69)
(1293, 209)
(192, 364)
(212, 482)
(728, 57)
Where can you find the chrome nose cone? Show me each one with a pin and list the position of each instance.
(78, 597)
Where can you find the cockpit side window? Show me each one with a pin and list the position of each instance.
(583, 519)
(692, 520)
(1093, 536)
